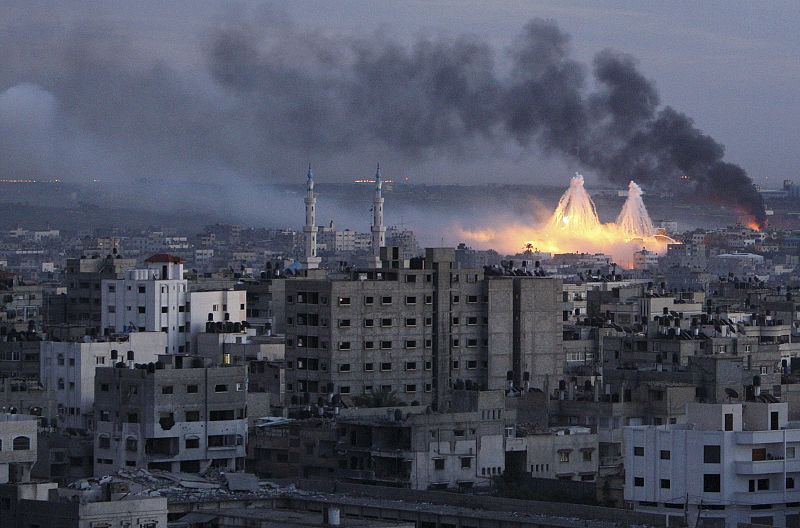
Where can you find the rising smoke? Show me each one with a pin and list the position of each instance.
(268, 93)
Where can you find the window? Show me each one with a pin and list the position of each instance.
(344, 345)
(411, 365)
(221, 415)
(344, 301)
(192, 443)
(141, 289)
(761, 484)
(411, 388)
(369, 300)
(665, 483)
(438, 464)
(711, 483)
(411, 321)
(133, 418)
(411, 299)
(789, 452)
(729, 421)
(104, 442)
(369, 367)
(472, 364)
(164, 309)
(454, 365)
(344, 389)
(455, 320)
(456, 298)
(638, 482)
(344, 323)
(369, 345)
(665, 455)
(386, 366)
(131, 444)
(428, 365)
(105, 416)
(386, 345)
(166, 389)
(369, 323)
(472, 298)
(386, 300)
(773, 421)
(711, 454)
(411, 343)
(587, 456)
(192, 416)
(789, 482)
(386, 321)
(141, 309)
(191, 389)
(344, 367)
(466, 462)
(563, 456)
(638, 451)
(221, 388)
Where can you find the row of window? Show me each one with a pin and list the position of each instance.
(409, 321)
(409, 365)
(189, 416)
(111, 308)
(471, 342)
(170, 389)
(370, 300)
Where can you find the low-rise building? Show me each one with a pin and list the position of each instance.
(17, 447)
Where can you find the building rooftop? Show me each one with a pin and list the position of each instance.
(165, 258)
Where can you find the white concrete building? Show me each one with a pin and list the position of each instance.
(68, 369)
(564, 453)
(221, 306)
(729, 464)
(17, 447)
(149, 300)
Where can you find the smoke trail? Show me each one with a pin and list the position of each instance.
(273, 92)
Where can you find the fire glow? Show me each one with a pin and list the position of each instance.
(575, 227)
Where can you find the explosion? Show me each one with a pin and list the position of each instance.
(575, 227)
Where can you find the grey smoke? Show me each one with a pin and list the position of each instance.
(272, 93)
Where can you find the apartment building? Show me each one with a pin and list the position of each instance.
(181, 414)
(420, 331)
(68, 370)
(463, 448)
(728, 464)
(152, 299)
(84, 277)
(564, 453)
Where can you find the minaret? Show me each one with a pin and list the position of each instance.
(310, 259)
(378, 229)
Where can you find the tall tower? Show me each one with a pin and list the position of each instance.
(378, 229)
(310, 259)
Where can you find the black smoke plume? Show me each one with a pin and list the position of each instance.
(268, 92)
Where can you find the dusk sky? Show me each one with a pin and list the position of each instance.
(732, 67)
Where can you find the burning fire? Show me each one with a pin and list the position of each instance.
(575, 227)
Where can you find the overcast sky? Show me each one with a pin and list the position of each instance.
(732, 66)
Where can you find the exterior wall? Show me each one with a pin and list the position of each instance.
(216, 306)
(421, 333)
(153, 419)
(573, 456)
(757, 470)
(17, 456)
(68, 369)
(148, 302)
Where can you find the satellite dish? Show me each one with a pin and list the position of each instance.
(731, 393)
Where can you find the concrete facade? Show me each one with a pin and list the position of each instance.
(68, 369)
(178, 416)
(17, 447)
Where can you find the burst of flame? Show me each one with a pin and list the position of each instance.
(575, 227)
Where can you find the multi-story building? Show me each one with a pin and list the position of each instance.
(149, 300)
(464, 448)
(729, 464)
(84, 277)
(17, 447)
(179, 415)
(419, 332)
(68, 369)
(224, 306)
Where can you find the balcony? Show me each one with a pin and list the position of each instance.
(766, 497)
(759, 437)
(760, 467)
